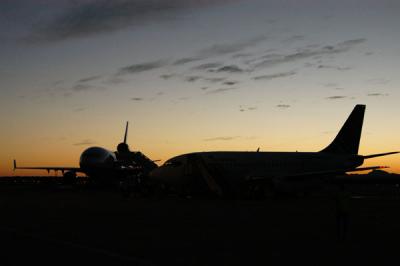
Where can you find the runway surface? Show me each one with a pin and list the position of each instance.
(74, 226)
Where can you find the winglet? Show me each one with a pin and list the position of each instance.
(15, 164)
(126, 131)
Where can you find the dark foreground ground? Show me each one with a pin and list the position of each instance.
(64, 226)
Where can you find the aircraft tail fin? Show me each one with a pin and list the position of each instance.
(126, 132)
(123, 147)
(347, 140)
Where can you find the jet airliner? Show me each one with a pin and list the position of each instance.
(231, 172)
(104, 166)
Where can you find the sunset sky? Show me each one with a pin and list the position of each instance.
(195, 75)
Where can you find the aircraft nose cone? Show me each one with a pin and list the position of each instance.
(96, 157)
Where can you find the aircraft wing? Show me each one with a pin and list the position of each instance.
(339, 177)
(316, 174)
(49, 168)
(329, 172)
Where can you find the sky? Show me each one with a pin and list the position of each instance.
(194, 75)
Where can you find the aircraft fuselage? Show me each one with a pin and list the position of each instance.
(233, 168)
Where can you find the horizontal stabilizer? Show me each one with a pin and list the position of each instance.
(368, 168)
(379, 154)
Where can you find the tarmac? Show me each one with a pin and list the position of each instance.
(64, 226)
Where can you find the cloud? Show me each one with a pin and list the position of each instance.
(186, 60)
(336, 97)
(333, 67)
(81, 109)
(220, 50)
(229, 69)
(230, 83)
(86, 18)
(228, 138)
(137, 99)
(283, 106)
(142, 67)
(250, 108)
(377, 94)
(85, 142)
(214, 80)
(330, 85)
(304, 53)
(220, 90)
(207, 66)
(167, 76)
(225, 138)
(241, 55)
(229, 48)
(192, 78)
(91, 78)
(276, 75)
(352, 42)
(82, 87)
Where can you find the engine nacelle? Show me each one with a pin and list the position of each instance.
(69, 178)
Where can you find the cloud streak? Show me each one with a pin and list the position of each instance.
(91, 78)
(137, 99)
(229, 69)
(220, 90)
(219, 50)
(336, 97)
(275, 76)
(305, 53)
(224, 138)
(88, 18)
(377, 94)
(85, 142)
(283, 106)
(142, 67)
(333, 67)
(230, 48)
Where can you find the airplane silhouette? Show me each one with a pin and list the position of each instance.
(104, 166)
(230, 172)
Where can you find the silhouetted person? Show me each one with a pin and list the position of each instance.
(342, 213)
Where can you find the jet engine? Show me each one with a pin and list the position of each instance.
(69, 178)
